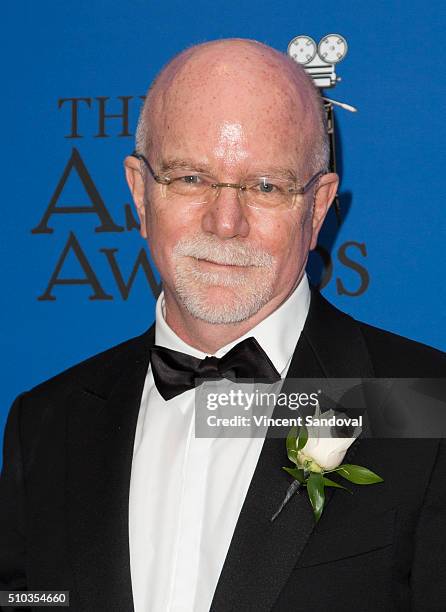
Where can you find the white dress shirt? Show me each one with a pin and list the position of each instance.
(186, 493)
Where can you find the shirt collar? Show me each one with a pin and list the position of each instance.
(277, 334)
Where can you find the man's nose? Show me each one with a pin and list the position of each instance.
(225, 215)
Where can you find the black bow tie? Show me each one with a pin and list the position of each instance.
(175, 372)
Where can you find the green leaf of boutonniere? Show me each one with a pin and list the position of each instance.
(296, 440)
(316, 493)
(302, 438)
(358, 474)
(332, 483)
(295, 473)
(291, 444)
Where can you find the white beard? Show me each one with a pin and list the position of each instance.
(243, 291)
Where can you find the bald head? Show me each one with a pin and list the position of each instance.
(236, 82)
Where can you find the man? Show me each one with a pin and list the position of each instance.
(107, 493)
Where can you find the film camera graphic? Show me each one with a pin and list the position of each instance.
(320, 62)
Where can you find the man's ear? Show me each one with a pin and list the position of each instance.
(135, 182)
(325, 194)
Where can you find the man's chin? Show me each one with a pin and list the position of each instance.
(219, 304)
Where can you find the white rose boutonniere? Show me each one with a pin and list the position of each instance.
(315, 453)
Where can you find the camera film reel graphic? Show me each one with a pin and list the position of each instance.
(320, 59)
(302, 49)
(332, 48)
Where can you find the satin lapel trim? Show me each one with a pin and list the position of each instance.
(100, 438)
(262, 554)
(336, 341)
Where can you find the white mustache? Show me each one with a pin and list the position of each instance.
(224, 253)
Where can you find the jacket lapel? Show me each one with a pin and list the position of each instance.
(262, 553)
(101, 425)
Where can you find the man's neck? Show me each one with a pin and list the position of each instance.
(210, 337)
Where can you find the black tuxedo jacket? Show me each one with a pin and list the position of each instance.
(65, 491)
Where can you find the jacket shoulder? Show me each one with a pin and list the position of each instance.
(397, 356)
(390, 355)
(93, 372)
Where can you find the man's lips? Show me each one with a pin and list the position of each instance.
(214, 264)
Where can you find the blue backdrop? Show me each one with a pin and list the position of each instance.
(69, 66)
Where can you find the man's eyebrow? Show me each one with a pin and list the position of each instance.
(275, 171)
(176, 163)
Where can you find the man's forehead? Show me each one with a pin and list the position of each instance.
(235, 134)
(232, 114)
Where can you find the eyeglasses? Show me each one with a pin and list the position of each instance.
(259, 192)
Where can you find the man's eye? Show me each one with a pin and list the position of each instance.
(267, 187)
(191, 179)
